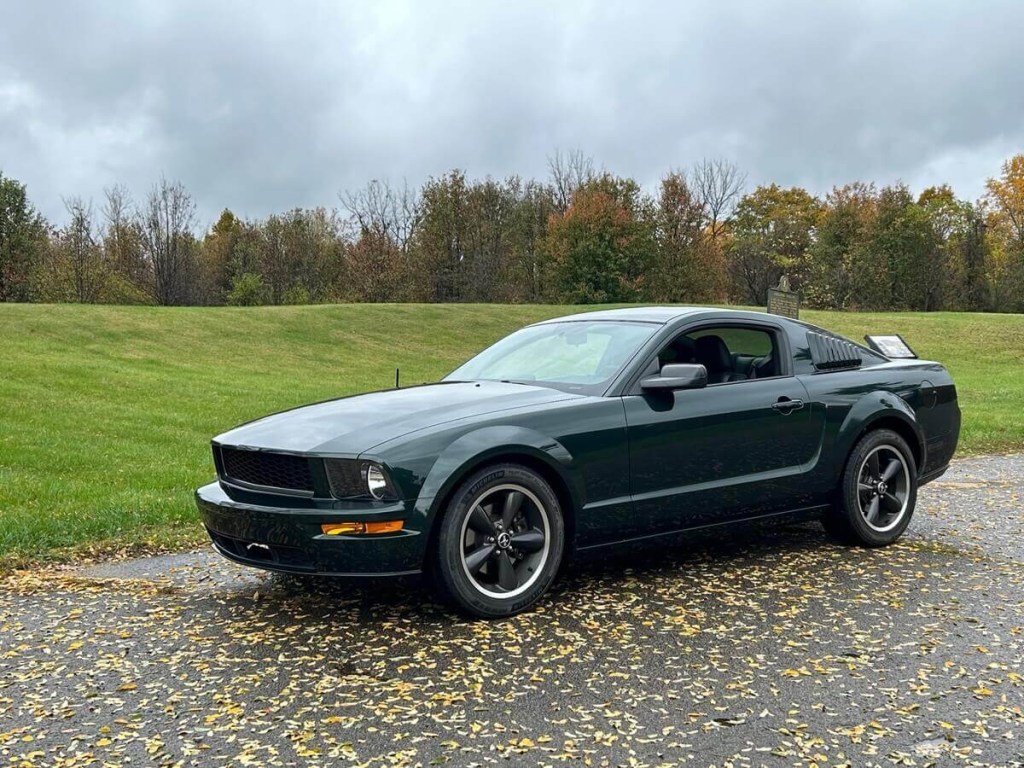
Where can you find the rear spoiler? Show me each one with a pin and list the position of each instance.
(894, 347)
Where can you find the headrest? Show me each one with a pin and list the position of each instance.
(681, 350)
(712, 352)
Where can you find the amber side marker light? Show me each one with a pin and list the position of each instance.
(387, 526)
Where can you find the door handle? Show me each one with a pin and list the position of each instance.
(784, 405)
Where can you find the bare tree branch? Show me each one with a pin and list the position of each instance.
(82, 251)
(166, 224)
(718, 185)
(569, 172)
(387, 212)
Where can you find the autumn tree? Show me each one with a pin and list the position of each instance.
(489, 240)
(1005, 195)
(130, 275)
(840, 249)
(82, 252)
(440, 239)
(577, 235)
(952, 282)
(221, 258)
(976, 250)
(892, 273)
(601, 246)
(375, 269)
(678, 272)
(717, 185)
(1004, 204)
(525, 263)
(385, 219)
(318, 248)
(22, 238)
(299, 255)
(772, 231)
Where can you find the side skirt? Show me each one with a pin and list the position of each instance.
(790, 515)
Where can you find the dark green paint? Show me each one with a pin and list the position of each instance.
(628, 464)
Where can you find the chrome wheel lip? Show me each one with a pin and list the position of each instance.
(897, 486)
(543, 555)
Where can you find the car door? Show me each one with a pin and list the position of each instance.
(734, 449)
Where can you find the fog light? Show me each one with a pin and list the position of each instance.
(384, 526)
(333, 529)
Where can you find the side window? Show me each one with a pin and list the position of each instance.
(730, 353)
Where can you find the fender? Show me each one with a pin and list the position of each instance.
(869, 409)
(476, 447)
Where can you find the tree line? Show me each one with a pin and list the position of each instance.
(582, 235)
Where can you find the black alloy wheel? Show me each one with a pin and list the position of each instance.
(883, 488)
(501, 541)
(878, 491)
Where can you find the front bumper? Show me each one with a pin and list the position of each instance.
(291, 541)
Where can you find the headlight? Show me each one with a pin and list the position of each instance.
(351, 479)
(375, 481)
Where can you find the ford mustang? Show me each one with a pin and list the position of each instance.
(582, 433)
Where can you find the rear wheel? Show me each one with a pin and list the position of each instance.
(500, 542)
(878, 491)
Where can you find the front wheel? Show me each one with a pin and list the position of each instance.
(878, 491)
(500, 542)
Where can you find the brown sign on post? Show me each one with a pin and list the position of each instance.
(782, 301)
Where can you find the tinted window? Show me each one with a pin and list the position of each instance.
(729, 353)
(741, 341)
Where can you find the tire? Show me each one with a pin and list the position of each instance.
(877, 493)
(500, 542)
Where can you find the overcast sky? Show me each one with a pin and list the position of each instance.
(262, 106)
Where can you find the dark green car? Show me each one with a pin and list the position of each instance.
(582, 433)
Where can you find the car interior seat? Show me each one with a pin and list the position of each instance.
(681, 350)
(713, 354)
(763, 367)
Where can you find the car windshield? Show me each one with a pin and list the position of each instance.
(579, 356)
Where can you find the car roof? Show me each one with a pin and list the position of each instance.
(659, 315)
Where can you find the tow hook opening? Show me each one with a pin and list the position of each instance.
(256, 551)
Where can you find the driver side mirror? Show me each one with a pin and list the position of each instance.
(677, 376)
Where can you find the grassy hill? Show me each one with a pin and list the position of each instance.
(106, 412)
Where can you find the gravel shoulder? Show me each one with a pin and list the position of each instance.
(772, 648)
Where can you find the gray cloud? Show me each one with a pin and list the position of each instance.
(260, 107)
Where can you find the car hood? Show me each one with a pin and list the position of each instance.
(352, 425)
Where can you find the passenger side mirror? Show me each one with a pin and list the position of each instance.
(677, 376)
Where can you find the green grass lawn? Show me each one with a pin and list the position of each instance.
(106, 412)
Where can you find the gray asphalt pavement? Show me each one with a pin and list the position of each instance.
(776, 648)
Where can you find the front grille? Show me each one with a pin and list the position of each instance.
(273, 470)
